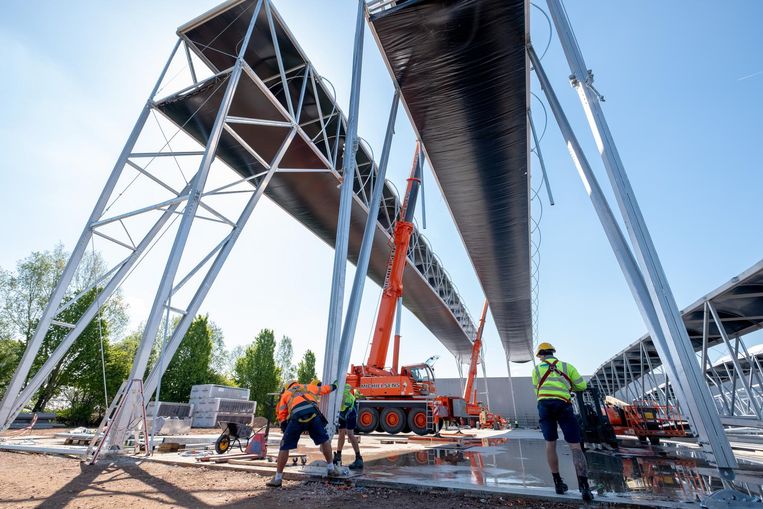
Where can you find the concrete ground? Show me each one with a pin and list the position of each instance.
(495, 466)
(35, 480)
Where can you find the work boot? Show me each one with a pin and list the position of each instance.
(559, 485)
(274, 483)
(357, 464)
(585, 490)
(337, 458)
(334, 471)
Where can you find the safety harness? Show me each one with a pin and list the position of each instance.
(552, 369)
(299, 391)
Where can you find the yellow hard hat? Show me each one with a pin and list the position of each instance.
(288, 384)
(315, 381)
(544, 346)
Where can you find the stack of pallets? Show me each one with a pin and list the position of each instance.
(215, 403)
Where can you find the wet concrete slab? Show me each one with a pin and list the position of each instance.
(516, 462)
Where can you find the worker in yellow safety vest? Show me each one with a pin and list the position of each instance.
(348, 419)
(554, 381)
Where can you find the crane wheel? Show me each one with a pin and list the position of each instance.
(417, 421)
(368, 419)
(392, 420)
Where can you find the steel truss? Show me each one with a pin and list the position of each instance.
(179, 294)
(734, 378)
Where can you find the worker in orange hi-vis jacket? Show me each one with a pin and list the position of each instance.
(298, 412)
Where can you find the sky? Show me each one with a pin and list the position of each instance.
(683, 83)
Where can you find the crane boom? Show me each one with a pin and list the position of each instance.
(393, 286)
(476, 347)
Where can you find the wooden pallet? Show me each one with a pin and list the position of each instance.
(169, 447)
(77, 441)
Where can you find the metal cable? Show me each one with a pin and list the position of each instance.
(536, 236)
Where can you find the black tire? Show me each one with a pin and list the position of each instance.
(392, 420)
(222, 444)
(368, 419)
(417, 421)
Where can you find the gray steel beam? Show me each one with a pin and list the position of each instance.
(694, 391)
(55, 357)
(615, 236)
(364, 257)
(153, 322)
(334, 329)
(33, 347)
(177, 335)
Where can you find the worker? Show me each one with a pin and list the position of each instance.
(298, 412)
(348, 417)
(441, 417)
(554, 381)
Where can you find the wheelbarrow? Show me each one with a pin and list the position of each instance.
(234, 433)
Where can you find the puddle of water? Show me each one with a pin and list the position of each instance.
(521, 463)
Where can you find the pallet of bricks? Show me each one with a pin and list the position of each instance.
(172, 418)
(215, 403)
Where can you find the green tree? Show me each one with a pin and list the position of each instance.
(10, 354)
(219, 362)
(191, 363)
(80, 367)
(306, 369)
(256, 369)
(284, 356)
(24, 294)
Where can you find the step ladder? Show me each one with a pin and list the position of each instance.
(430, 418)
(127, 399)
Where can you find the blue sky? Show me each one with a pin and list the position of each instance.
(684, 87)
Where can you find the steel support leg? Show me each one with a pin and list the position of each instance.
(484, 377)
(201, 293)
(9, 408)
(181, 237)
(361, 272)
(511, 388)
(709, 433)
(694, 391)
(334, 331)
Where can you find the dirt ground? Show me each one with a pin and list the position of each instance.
(35, 480)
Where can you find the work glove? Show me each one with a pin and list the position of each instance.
(283, 426)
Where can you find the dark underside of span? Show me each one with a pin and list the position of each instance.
(312, 197)
(463, 74)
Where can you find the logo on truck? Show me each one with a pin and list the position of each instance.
(380, 386)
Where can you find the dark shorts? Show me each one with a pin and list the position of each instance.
(555, 413)
(348, 420)
(294, 430)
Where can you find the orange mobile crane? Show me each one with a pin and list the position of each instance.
(395, 400)
(475, 409)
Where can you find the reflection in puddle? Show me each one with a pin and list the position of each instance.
(633, 473)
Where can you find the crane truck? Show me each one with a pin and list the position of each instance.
(398, 399)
